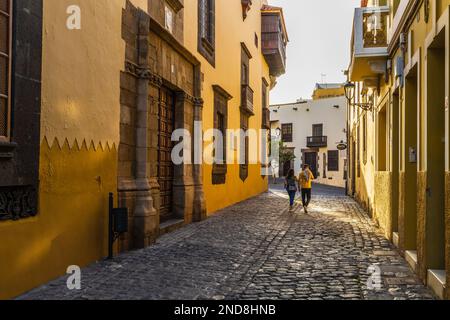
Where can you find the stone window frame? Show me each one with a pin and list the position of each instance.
(221, 99)
(207, 39)
(19, 156)
(243, 168)
(5, 96)
(175, 6)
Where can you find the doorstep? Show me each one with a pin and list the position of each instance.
(170, 226)
(395, 239)
(436, 282)
(411, 258)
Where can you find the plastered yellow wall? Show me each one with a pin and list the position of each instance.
(79, 136)
(421, 34)
(70, 228)
(231, 30)
(326, 93)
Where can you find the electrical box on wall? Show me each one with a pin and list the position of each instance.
(412, 155)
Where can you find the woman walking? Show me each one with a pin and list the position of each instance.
(291, 187)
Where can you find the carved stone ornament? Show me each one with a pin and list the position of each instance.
(17, 202)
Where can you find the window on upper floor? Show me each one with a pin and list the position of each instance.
(169, 18)
(206, 29)
(5, 68)
(317, 130)
(287, 132)
(333, 160)
(221, 98)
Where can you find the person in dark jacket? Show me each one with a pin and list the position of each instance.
(291, 187)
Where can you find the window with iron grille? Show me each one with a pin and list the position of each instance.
(5, 67)
(333, 160)
(286, 132)
(206, 30)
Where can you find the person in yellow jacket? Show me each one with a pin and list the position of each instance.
(305, 185)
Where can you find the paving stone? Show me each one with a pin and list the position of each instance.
(257, 250)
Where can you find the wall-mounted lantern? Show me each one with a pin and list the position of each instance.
(350, 95)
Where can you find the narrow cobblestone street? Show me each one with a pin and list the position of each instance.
(257, 250)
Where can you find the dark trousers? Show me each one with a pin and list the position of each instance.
(292, 197)
(306, 197)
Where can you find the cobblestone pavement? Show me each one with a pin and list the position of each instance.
(257, 250)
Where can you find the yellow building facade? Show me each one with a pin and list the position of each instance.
(110, 71)
(244, 39)
(399, 129)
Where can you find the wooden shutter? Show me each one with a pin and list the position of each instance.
(287, 131)
(333, 160)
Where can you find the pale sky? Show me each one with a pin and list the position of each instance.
(319, 34)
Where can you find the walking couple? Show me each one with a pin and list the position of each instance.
(302, 183)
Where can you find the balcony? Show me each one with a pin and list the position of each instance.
(274, 39)
(317, 142)
(369, 43)
(247, 99)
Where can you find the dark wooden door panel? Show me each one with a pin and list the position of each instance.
(311, 160)
(165, 146)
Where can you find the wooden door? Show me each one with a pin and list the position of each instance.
(165, 146)
(311, 160)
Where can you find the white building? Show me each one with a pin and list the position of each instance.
(313, 129)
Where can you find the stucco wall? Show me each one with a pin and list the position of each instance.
(71, 226)
(231, 30)
(383, 202)
(79, 135)
(421, 224)
(312, 112)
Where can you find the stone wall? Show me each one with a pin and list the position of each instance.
(170, 64)
(157, 11)
(156, 62)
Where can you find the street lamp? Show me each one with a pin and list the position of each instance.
(350, 95)
(349, 91)
(278, 132)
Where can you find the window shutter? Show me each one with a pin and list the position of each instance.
(333, 160)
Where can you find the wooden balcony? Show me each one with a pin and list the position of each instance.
(274, 40)
(247, 99)
(317, 142)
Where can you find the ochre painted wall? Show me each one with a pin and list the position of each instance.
(70, 228)
(429, 145)
(231, 30)
(79, 135)
(383, 202)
